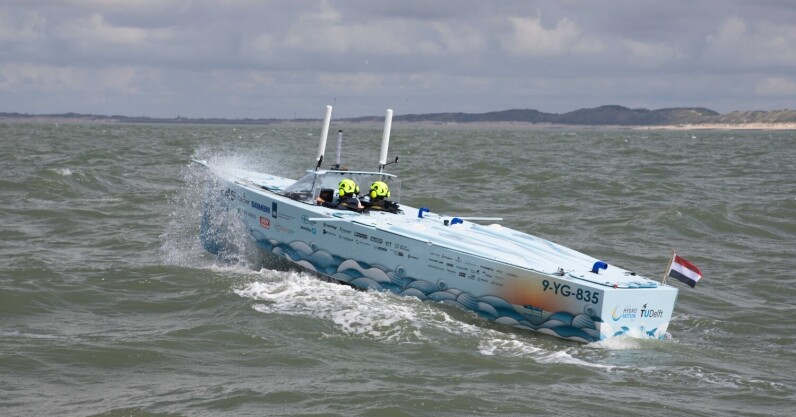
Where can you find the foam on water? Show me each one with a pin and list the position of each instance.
(617, 343)
(181, 243)
(387, 318)
(28, 335)
(66, 172)
(371, 314)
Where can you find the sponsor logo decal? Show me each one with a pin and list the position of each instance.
(620, 312)
(273, 209)
(229, 193)
(283, 229)
(265, 222)
(261, 207)
(376, 239)
(650, 313)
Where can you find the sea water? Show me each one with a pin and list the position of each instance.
(109, 305)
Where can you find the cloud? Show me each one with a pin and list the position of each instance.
(459, 39)
(737, 43)
(650, 55)
(37, 79)
(137, 7)
(94, 30)
(383, 38)
(352, 84)
(776, 86)
(325, 31)
(529, 37)
(261, 58)
(33, 78)
(21, 26)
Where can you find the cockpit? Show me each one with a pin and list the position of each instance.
(324, 184)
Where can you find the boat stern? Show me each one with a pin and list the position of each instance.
(637, 312)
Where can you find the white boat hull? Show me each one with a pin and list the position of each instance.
(507, 276)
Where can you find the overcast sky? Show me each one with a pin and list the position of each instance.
(260, 58)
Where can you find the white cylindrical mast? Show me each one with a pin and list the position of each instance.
(324, 133)
(385, 140)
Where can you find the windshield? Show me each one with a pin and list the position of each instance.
(309, 188)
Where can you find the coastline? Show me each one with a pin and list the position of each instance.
(724, 126)
(510, 125)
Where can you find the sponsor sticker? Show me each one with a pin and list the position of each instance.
(261, 207)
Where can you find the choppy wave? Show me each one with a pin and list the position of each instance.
(111, 306)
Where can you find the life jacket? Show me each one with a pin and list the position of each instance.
(381, 204)
(350, 203)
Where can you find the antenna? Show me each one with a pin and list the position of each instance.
(385, 140)
(324, 133)
(339, 148)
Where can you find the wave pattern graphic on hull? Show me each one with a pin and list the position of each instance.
(581, 327)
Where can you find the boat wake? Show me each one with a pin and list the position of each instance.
(387, 318)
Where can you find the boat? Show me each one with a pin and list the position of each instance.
(474, 263)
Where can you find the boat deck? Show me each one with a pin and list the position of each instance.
(493, 241)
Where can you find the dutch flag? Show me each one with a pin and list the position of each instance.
(684, 271)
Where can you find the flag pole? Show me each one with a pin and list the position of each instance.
(668, 267)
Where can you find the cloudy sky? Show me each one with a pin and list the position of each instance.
(263, 58)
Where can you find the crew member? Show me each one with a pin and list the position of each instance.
(379, 192)
(347, 191)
